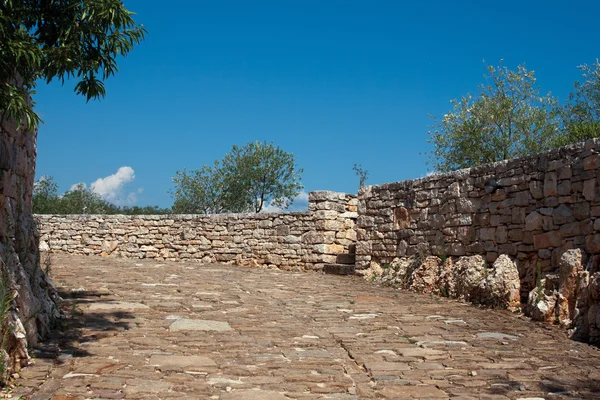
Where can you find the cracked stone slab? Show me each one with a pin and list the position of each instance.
(178, 363)
(199, 325)
(116, 305)
(496, 335)
(253, 394)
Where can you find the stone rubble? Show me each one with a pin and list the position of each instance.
(468, 278)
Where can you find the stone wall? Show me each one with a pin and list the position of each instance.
(517, 233)
(533, 209)
(324, 234)
(31, 299)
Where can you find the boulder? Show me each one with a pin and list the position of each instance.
(502, 285)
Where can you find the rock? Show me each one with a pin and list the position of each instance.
(593, 311)
(199, 325)
(570, 270)
(550, 184)
(338, 269)
(533, 221)
(109, 246)
(547, 240)
(44, 246)
(424, 278)
(502, 285)
(541, 305)
(496, 335)
(181, 363)
(253, 394)
(468, 273)
(116, 305)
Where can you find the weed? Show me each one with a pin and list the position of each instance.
(443, 256)
(421, 253)
(540, 287)
(352, 301)
(74, 309)
(386, 266)
(5, 305)
(444, 291)
(409, 338)
(373, 277)
(48, 263)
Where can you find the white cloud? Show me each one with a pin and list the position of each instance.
(300, 203)
(111, 188)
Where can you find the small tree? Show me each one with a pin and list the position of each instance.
(246, 179)
(581, 115)
(507, 119)
(60, 39)
(82, 200)
(362, 174)
(45, 196)
(78, 200)
(201, 192)
(260, 173)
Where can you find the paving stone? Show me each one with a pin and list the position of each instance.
(176, 363)
(199, 325)
(115, 306)
(254, 395)
(413, 392)
(496, 335)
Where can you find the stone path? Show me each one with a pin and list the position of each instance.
(144, 330)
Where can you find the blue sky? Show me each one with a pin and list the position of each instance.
(335, 82)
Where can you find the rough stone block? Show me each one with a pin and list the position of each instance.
(547, 240)
(339, 269)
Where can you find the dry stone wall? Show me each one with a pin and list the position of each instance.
(446, 234)
(324, 234)
(30, 297)
(533, 209)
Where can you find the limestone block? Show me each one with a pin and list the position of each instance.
(325, 195)
(550, 184)
(536, 188)
(589, 189)
(533, 221)
(563, 214)
(328, 249)
(547, 240)
(591, 162)
(592, 243)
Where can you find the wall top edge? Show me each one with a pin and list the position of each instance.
(489, 169)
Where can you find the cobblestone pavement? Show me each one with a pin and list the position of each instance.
(148, 330)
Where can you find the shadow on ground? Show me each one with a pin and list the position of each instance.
(77, 327)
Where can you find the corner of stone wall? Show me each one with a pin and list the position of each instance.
(334, 238)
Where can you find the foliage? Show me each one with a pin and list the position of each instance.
(47, 39)
(82, 200)
(362, 174)
(507, 119)
(581, 115)
(79, 200)
(246, 179)
(261, 173)
(5, 307)
(45, 195)
(201, 191)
